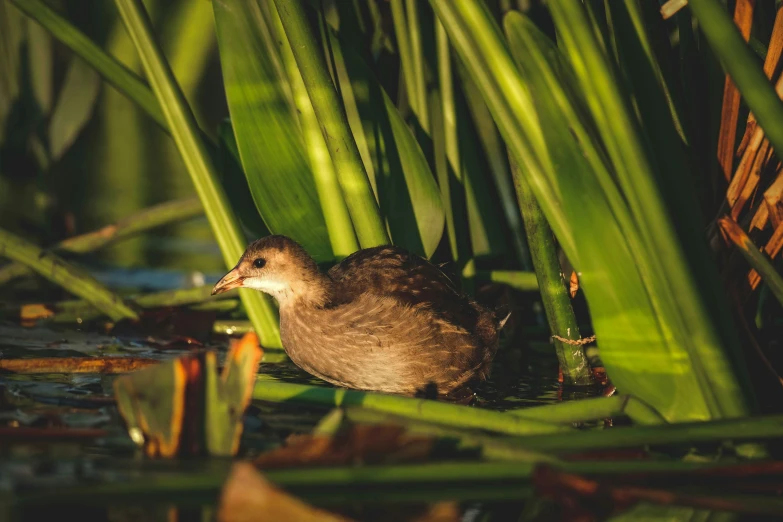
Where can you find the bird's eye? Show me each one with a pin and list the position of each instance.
(259, 263)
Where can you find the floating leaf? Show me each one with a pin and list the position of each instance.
(104, 365)
(185, 406)
(152, 402)
(370, 444)
(228, 394)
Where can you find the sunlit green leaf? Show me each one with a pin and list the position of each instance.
(267, 131)
(577, 190)
(408, 195)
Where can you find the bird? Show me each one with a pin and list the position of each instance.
(382, 319)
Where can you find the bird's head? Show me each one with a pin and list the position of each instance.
(278, 266)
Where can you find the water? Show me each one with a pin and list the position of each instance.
(524, 374)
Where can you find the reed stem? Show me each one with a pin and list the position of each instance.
(557, 302)
(431, 411)
(65, 275)
(163, 214)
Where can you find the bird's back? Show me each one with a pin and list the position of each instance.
(393, 272)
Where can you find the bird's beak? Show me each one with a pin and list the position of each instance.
(229, 281)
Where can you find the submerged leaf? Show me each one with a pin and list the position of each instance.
(368, 444)
(247, 496)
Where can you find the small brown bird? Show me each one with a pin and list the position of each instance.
(381, 320)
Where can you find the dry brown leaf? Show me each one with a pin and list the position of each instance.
(104, 365)
(249, 497)
(743, 17)
(185, 407)
(772, 248)
(771, 62)
(573, 285)
(751, 178)
(772, 200)
(33, 312)
(365, 444)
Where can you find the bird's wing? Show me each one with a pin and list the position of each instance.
(393, 272)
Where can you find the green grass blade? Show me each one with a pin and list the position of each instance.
(408, 195)
(417, 55)
(483, 151)
(406, 54)
(347, 161)
(593, 409)
(189, 41)
(557, 302)
(422, 409)
(225, 225)
(537, 119)
(267, 131)
(11, 39)
(448, 165)
(40, 65)
(338, 220)
(81, 311)
(652, 331)
(62, 273)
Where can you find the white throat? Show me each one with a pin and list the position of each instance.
(274, 287)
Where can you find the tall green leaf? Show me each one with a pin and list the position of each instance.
(183, 128)
(408, 195)
(539, 112)
(267, 131)
(682, 279)
(338, 220)
(485, 153)
(448, 160)
(336, 131)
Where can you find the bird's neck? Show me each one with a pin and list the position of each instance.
(313, 290)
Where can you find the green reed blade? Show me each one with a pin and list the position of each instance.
(225, 225)
(64, 274)
(347, 161)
